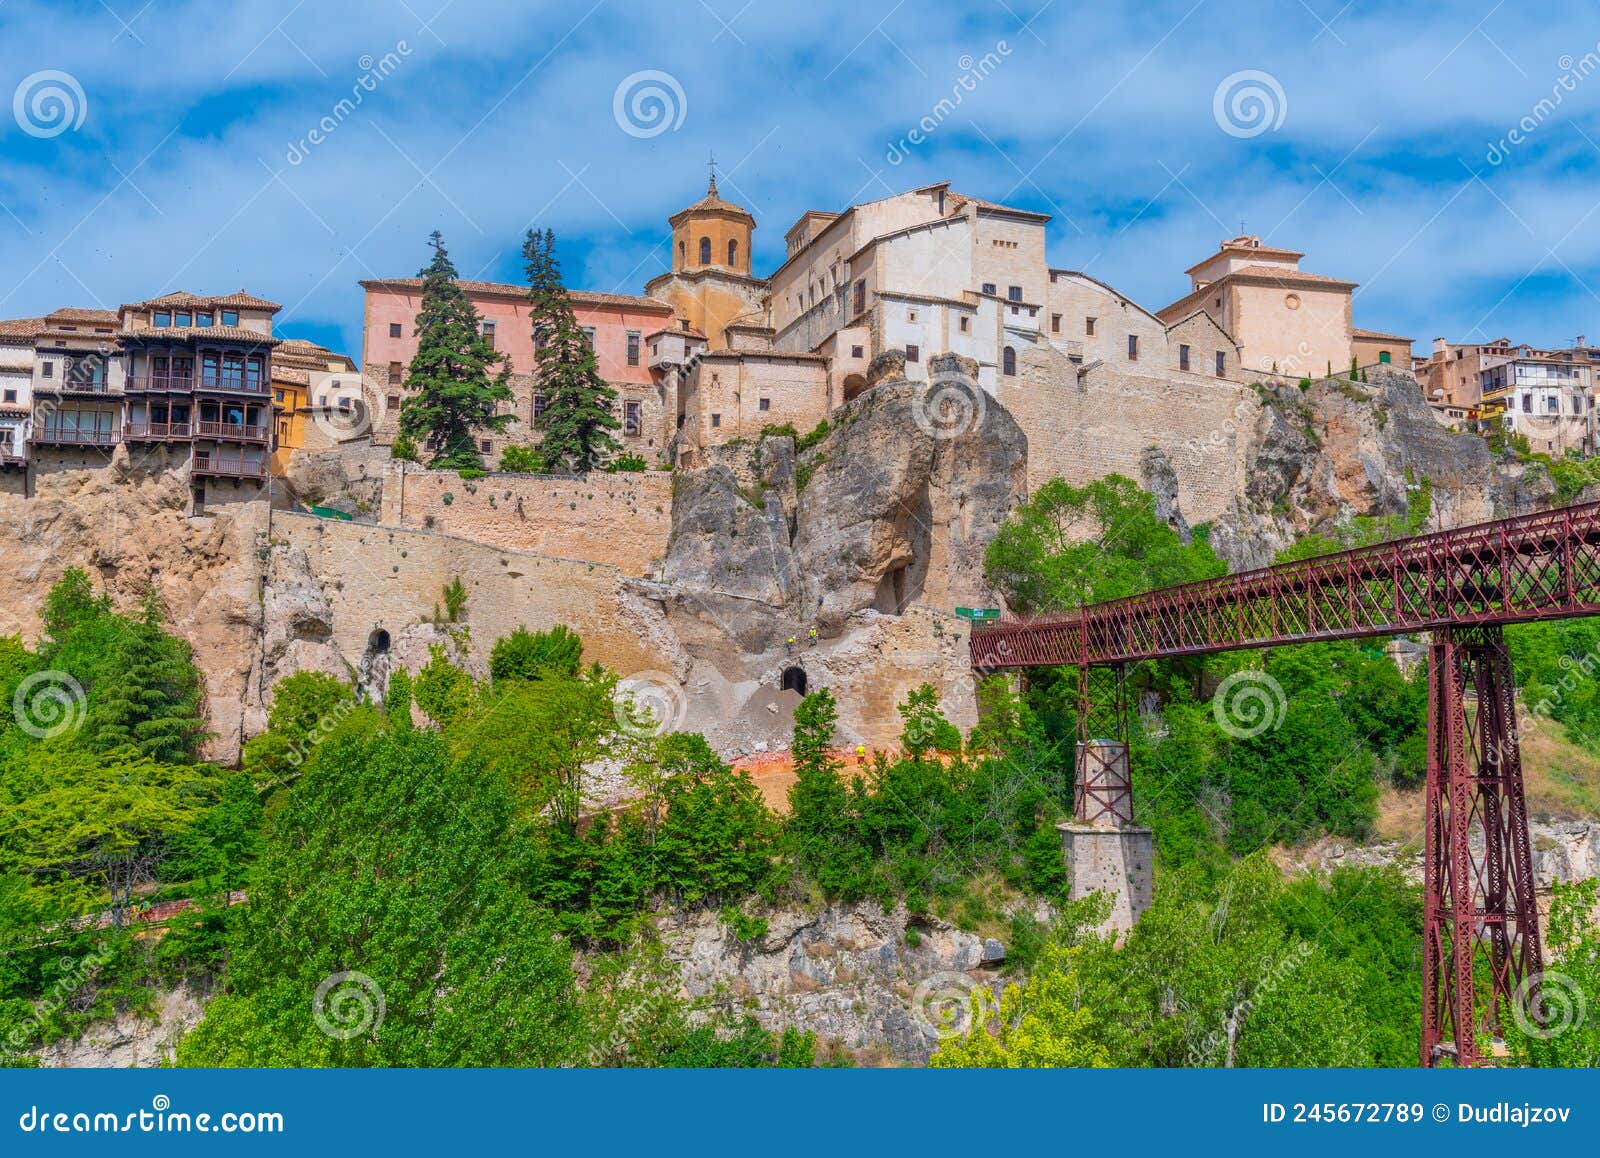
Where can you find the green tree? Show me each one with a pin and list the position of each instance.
(148, 699)
(444, 691)
(522, 460)
(384, 927)
(926, 728)
(456, 383)
(1556, 1024)
(529, 655)
(580, 407)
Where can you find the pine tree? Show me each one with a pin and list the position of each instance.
(580, 408)
(456, 380)
(150, 705)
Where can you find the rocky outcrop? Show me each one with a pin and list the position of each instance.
(129, 525)
(142, 1039)
(1341, 449)
(853, 974)
(346, 478)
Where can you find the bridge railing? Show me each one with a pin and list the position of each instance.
(1539, 566)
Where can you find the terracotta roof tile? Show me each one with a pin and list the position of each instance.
(27, 328)
(1378, 336)
(239, 300)
(74, 314)
(213, 333)
(1283, 274)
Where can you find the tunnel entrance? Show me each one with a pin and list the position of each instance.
(794, 680)
(378, 642)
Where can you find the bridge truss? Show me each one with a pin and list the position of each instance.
(1461, 587)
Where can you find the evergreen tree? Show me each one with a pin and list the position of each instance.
(149, 702)
(580, 408)
(456, 380)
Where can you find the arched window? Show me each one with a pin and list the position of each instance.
(1008, 363)
(683, 252)
(733, 253)
(705, 251)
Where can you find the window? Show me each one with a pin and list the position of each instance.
(733, 253)
(277, 395)
(202, 318)
(539, 404)
(1133, 347)
(1552, 405)
(588, 335)
(911, 315)
(488, 333)
(230, 317)
(485, 445)
(632, 424)
(393, 401)
(1014, 292)
(683, 253)
(988, 288)
(394, 373)
(860, 303)
(913, 352)
(1008, 362)
(764, 404)
(858, 351)
(11, 395)
(161, 319)
(47, 370)
(1088, 327)
(395, 329)
(966, 324)
(1527, 404)
(633, 347)
(1383, 357)
(716, 420)
(705, 251)
(1222, 364)
(1055, 323)
(1183, 357)
(182, 319)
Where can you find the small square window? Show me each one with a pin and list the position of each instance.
(1014, 292)
(230, 317)
(11, 395)
(161, 319)
(182, 319)
(485, 445)
(913, 353)
(393, 401)
(277, 395)
(47, 370)
(765, 404)
(1088, 327)
(858, 352)
(716, 420)
(988, 288)
(396, 329)
(202, 318)
(395, 371)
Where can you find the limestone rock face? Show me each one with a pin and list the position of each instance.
(1343, 449)
(128, 525)
(297, 621)
(347, 478)
(139, 1040)
(846, 973)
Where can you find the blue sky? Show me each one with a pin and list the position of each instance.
(182, 156)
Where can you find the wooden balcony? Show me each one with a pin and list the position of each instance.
(67, 388)
(231, 431)
(9, 457)
(158, 431)
(158, 384)
(228, 466)
(71, 436)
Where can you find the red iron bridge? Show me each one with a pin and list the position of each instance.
(1460, 587)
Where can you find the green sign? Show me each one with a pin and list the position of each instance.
(979, 614)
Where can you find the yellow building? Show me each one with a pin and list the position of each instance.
(298, 368)
(710, 286)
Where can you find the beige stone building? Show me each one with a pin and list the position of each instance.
(1452, 376)
(710, 287)
(1374, 348)
(1288, 322)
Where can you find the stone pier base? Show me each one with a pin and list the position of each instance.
(1116, 861)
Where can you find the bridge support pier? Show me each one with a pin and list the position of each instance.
(1104, 850)
(1478, 888)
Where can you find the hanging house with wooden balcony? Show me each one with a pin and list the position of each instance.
(78, 368)
(199, 374)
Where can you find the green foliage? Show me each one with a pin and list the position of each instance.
(926, 728)
(1571, 475)
(1556, 1024)
(522, 460)
(1556, 664)
(529, 655)
(386, 880)
(812, 437)
(456, 383)
(580, 407)
(306, 707)
(1365, 530)
(404, 449)
(455, 599)
(1070, 545)
(443, 691)
(627, 464)
(398, 698)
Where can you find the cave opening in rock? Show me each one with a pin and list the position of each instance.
(854, 386)
(378, 641)
(794, 680)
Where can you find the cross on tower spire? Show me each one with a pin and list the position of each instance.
(711, 189)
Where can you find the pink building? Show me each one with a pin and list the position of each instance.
(617, 324)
